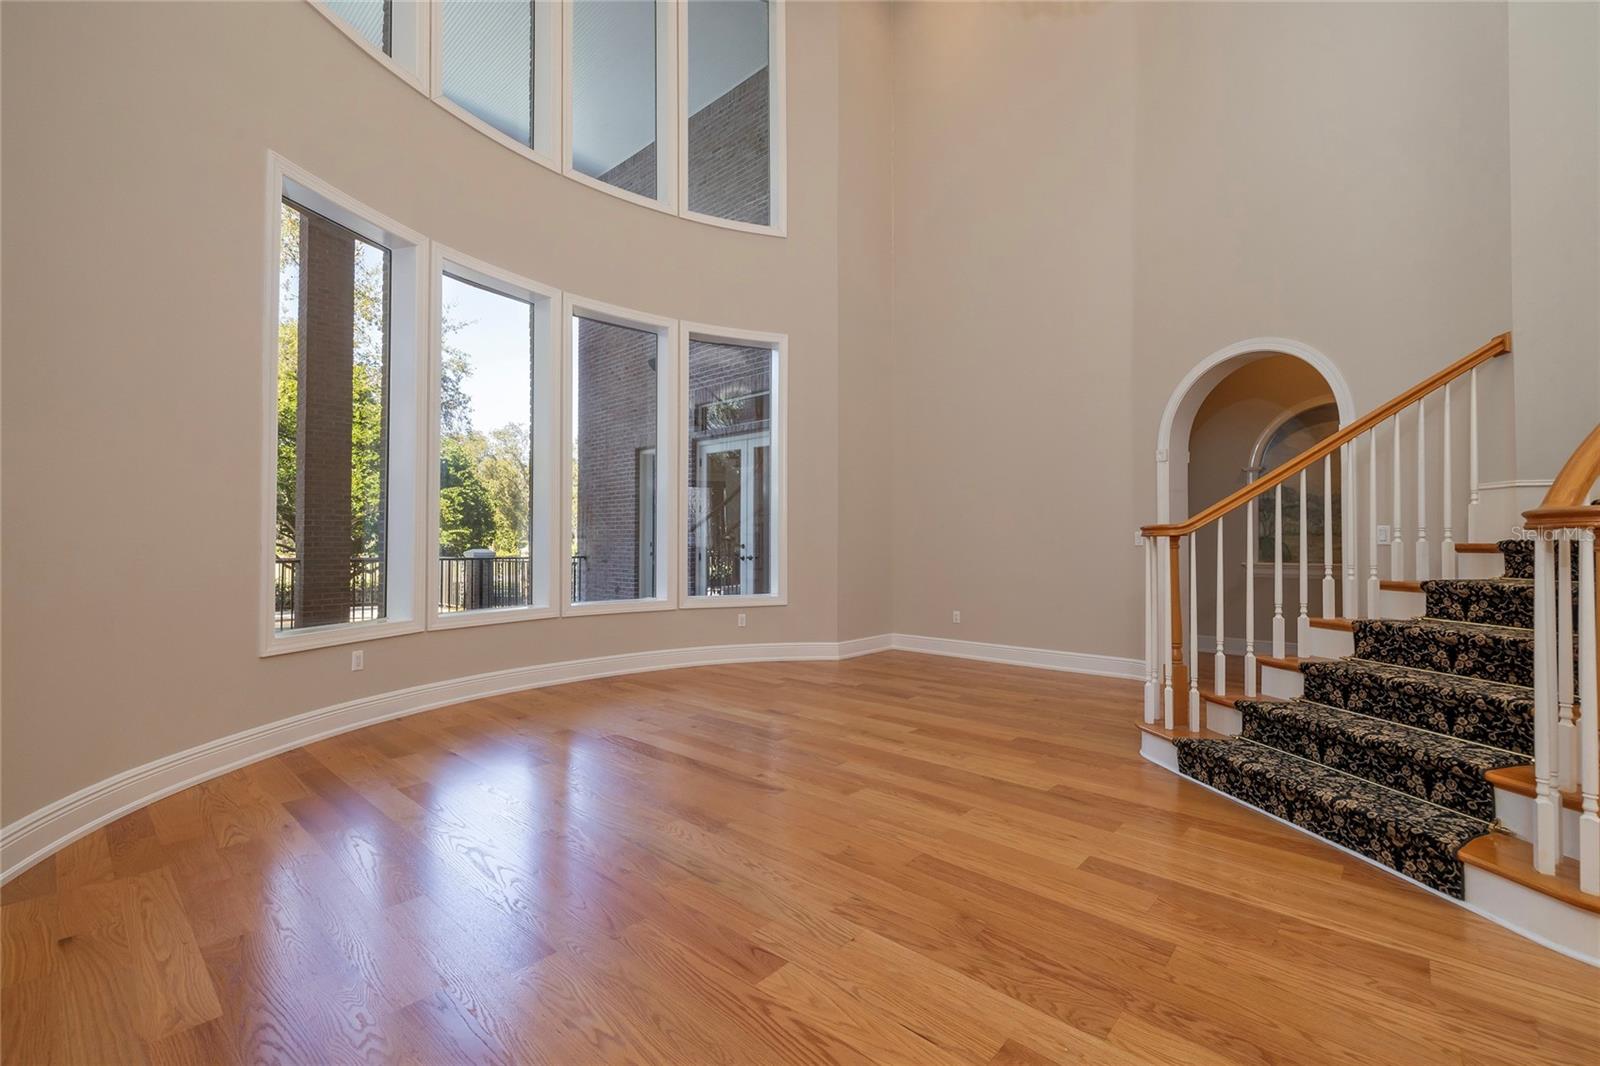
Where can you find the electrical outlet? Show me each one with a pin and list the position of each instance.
(955, 616)
(743, 619)
(1385, 534)
(358, 660)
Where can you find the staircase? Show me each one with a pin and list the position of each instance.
(1436, 730)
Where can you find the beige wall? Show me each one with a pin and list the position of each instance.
(135, 149)
(1091, 200)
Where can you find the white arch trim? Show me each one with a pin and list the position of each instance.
(1178, 417)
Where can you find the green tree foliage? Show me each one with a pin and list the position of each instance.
(466, 512)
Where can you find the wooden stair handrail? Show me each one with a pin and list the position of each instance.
(1566, 505)
(1498, 346)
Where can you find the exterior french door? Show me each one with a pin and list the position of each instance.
(731, 539)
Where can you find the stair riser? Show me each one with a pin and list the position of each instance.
(1482, 603)
(1281, 684)
(1437, 705)
(1516, 812)
(1395, 604)
(1479, 564)
(1329, 643)
(1489, 654)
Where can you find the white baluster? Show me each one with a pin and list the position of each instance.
(1372, 523)
(1328, 605)
(1422, 490)
(1397, 547)
(1219, 662)
(1546, 800)
(1472, 455)
(1164, 595)
(1447, 540)
(1151, 613)
(1566, 731)
(1194, 636)
(1250, 598)
(1277, 571)
(1347, 529)
(1589, 696)
(1302, 631)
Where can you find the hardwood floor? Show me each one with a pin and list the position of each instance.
(896, 859)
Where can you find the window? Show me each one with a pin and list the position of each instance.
(729, 109)
(621, 59)
(621, 375)
(497, 65)
(1286, 438)
(391, 28)
(733, 430)
(342, 356)
(495, 406)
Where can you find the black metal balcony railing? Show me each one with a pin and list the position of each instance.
(580, 566)
(467, 583)
(367, 577)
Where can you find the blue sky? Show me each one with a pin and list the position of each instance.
(494, 335)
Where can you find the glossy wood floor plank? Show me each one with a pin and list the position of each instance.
(897, 859)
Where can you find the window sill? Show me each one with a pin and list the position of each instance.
(489, 616)
(578, 610)
(331, 636)
(692, 602)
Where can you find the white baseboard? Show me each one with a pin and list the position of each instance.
(46, 830)
(1075, 662)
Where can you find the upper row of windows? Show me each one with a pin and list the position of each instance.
(677, 104)
(450, 444)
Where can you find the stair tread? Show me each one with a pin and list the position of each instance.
(1156, 729)
(1343, 624)
(1452, 625)
(1432, 766)
(1519, 779)
(1499, 601)
(1477, 548)
(1410, 835)
(1512, 858)
(1469, 708)
(1400, 586)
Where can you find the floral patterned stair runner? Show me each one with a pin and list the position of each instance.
(1385, 752)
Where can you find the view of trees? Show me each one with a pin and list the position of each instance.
(483, 475)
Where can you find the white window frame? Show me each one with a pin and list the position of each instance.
(777, 130)
(667, 434)
(778, 521)
(544, 521)
(412, 31)
(549, 126)
(408, 319)
(667, 166)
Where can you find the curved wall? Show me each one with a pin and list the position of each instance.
(136, 140)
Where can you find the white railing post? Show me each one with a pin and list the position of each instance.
(1250, 598)
(1472, 455)
(1589, 696)
(1397, 547)
(1328, 605)
(1302, 627)
(1219, 663)
(1163, 594)
(1277, 571)
(1566, 731)
(1151, 615)
(1447, 540)
(1372, 523)
(1348, 541)
(1546, 800)
(1422, 489)
(1194, 635)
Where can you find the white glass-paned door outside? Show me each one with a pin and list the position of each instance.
(488, 62)
(614, 85)
(485, 448)
(730, 121)
(730, 469)
(614, 489)
(331, 530)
